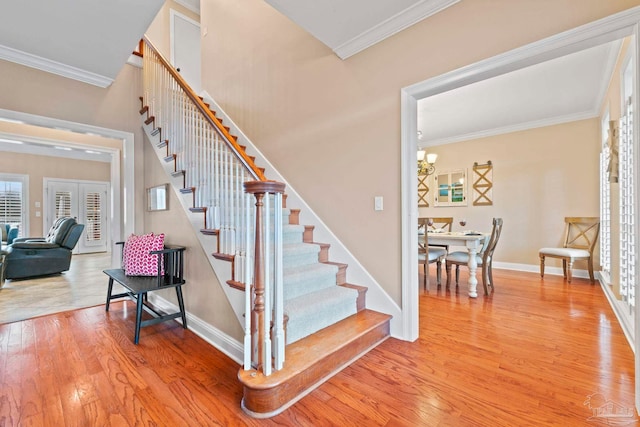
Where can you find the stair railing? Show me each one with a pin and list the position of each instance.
(223, 179)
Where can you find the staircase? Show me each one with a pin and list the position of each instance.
(326, 325)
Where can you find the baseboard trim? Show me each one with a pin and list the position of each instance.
(215, 337)
(535, 268)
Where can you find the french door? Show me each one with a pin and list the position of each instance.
(87, 202)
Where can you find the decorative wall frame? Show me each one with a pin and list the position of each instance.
(423, 191)
(483, 184)
(158, 198)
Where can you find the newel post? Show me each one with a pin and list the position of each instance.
(261, 269)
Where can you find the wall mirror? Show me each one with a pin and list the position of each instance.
(157, 198)
(451, 188)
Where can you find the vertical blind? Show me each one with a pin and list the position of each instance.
(93, 206)
(11, 204)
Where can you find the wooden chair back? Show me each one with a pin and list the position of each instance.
(496, 231)
(442, 223)
(581, 232)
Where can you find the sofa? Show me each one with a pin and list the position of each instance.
(39, 256)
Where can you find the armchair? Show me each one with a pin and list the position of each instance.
(9, 233)
(39, 256)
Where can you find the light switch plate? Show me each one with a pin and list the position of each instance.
(377, 203)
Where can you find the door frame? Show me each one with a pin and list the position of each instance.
(604, 30)
(122, 198)
(173, 14)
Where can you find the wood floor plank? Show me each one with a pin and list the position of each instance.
(528, 355)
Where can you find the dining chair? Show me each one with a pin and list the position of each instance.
(484, 258)
(442, 224)
(429, 254)
(580, 236)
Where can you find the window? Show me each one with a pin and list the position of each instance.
(608, 139)
(93, 207)
(627, 184)
(13, 201)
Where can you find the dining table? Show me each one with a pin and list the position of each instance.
(472, 240)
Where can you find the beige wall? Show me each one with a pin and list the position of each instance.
(332, 127)
(117, 107)
(39, 167)
(539, 177)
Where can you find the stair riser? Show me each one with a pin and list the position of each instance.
(299, 327)
(303, 285)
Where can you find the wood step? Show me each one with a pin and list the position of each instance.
(199, 209)
(341, 276)
(144, 110)
(149, 120)
(157, 131)
(361, 302)
(210, 231)
(294, 216)
(236, 285)
(312, 361)
(323, 255)
(180, 174)
(307, 235)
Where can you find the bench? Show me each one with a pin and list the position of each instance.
(137, 287)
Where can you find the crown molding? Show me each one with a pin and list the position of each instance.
(54, 67)
(391, 26)
(514, 128)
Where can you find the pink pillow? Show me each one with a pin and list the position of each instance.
(136, 259)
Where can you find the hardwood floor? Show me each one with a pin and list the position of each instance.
(529, 355)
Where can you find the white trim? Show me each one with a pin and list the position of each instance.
(635, 48)
(619, 309)
(128, 187)
(409, 215)
(404, 19)
(515, 128)
(204, 330)
(135, 60)
(535, 268)
(44, 148)
(192, 5)
(604, 30)
(377, 298)
(27, 59)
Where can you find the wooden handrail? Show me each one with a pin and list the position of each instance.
(206, 112)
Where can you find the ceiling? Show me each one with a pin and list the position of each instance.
(351, 26)
(88, 40)
(76, 39)
(565, 89)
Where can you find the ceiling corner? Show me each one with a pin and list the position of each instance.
(404, 19)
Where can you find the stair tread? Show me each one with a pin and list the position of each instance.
(304, 353)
